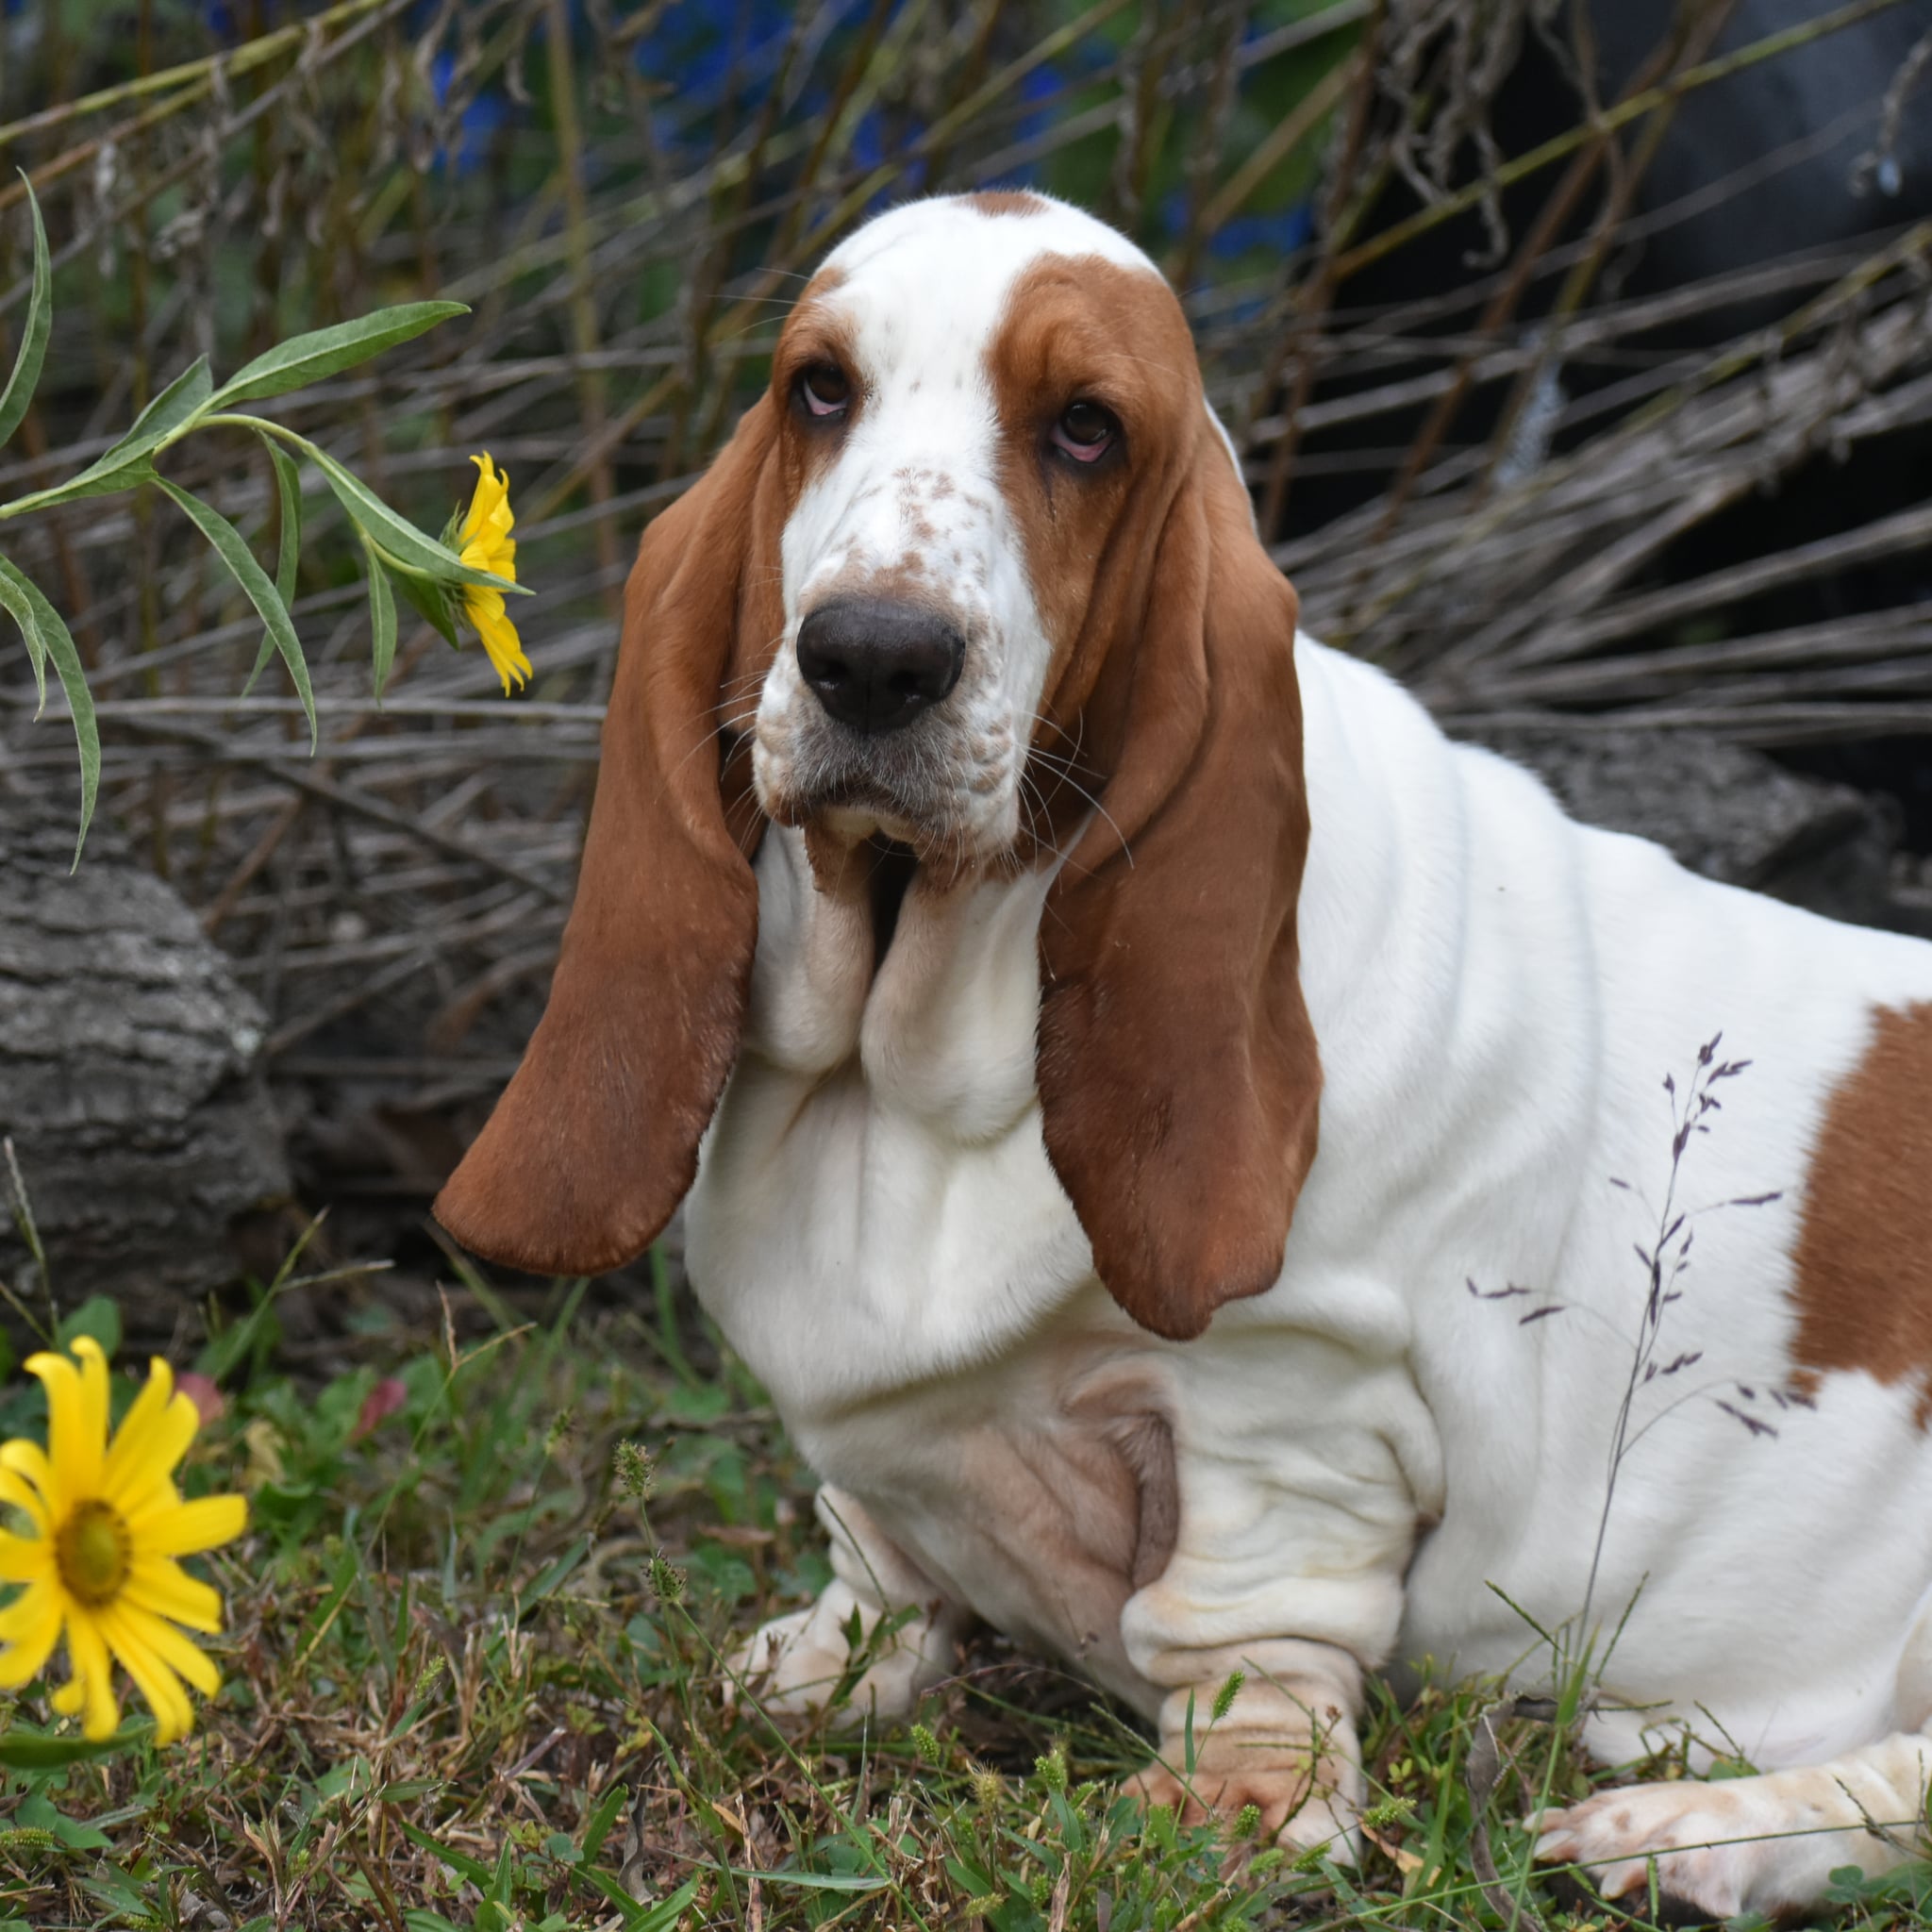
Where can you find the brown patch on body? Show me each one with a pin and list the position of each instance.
(1863, 1275)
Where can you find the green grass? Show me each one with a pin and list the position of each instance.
(473, 1679)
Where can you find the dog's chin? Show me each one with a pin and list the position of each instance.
(860, 816)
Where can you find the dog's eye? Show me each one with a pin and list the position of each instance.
(1085, 431)
(823, 390)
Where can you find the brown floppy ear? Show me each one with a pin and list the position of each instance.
(596, 1139)
(1178, 1070)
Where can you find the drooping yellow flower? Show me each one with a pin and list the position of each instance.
(108, 1525)
(487, 544)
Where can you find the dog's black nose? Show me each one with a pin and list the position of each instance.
(875, 664)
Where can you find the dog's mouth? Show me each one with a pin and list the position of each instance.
(893, 868)
(859, 809)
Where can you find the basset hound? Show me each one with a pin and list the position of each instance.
(1171, 1130)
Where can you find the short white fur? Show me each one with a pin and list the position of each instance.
(1366, 1454)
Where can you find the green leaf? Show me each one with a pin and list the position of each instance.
(288, 549)
(35, 1751)
(125, 464)
(382, 620)
(460, 1862)
(22, 614)
(660, 1917)
(92, 481)
(597, 1828)
(97, 1316)
(19, 392)
(254, 582)
(162, 417)
(306, 358)
(431, 601)
(400, 538)
(30, 608)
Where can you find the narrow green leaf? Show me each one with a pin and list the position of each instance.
(460, 1862)
(23, 613)
(382, 620)
(431, 600)
(411, 548)
(125, 464)
(31, 1751)
(306, 358)
(255, 583)
(289, 490)
(19, 392)
(92, 481)
(58, 643)
(288, 550)
(597, 1827)
(164, 414)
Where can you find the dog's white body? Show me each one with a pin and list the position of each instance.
(1403, 1449)
(1369, 1456)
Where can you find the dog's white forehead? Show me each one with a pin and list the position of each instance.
(929, 284)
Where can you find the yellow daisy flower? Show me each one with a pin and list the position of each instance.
(107, 1526)
(487, 544)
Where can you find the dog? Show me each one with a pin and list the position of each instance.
(1171, 1130)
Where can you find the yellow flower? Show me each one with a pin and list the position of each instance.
(487, 544)
(108, 1525)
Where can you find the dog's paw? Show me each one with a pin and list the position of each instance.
(1697, 1834)
(794, 1666)
(1298, 1810)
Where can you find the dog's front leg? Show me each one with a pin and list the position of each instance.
(881, 1617)
(1285, 1743)
(1287, 1568)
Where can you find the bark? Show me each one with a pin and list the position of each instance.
(130, 1075)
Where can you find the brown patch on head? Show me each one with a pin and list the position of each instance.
(1863, 1275)
(1084, 328)
(1181, 1145)
(1007, 201)
(817, 332)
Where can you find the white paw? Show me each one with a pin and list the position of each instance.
(794, 1665)
(1697, 1833)
(1300, 1806)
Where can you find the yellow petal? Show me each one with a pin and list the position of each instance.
(25, 1557)
(129, 1449)
(506, 650)
(132, 1477)
(28, 1459)
(87, 1651)
(34, 1620)
(179, 1653)
(68, 1698)
(174, 1714)
(159, 1584)
(180, 1530)
(75, 1459)
(93, 1390)
(24, 1497)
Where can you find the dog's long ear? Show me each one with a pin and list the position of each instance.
(596, 1139)
(1178, 1070)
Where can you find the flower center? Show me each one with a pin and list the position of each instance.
(92, 1551)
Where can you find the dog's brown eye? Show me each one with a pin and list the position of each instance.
(1085, 431)
(823, 390)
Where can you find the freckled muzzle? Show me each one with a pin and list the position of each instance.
(876, 663)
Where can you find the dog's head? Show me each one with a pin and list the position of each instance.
(977, 576)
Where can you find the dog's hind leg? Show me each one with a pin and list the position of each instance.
(907, 1632)
(1766, 1844)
